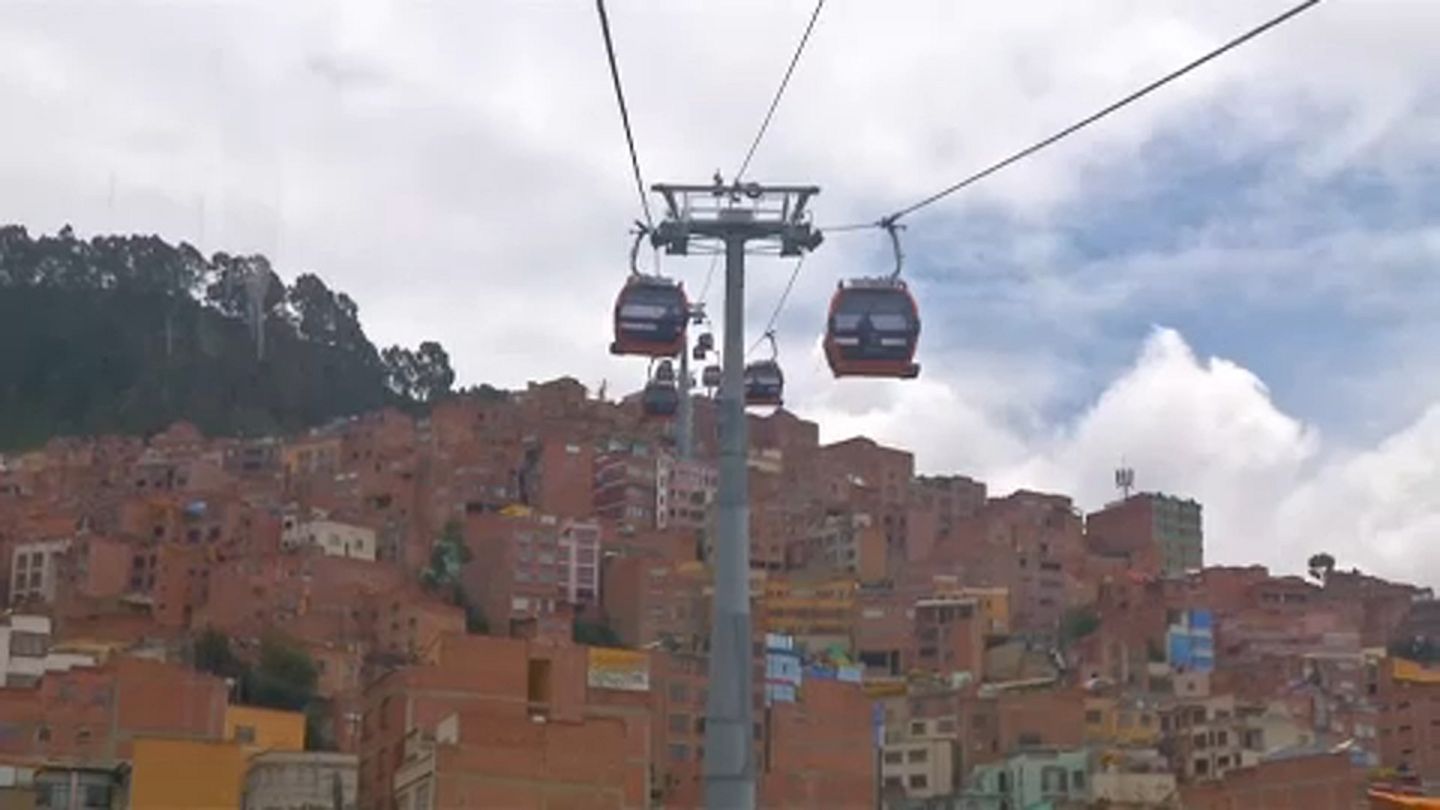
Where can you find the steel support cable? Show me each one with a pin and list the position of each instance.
(1082, 123)
(624, 110)
(780, 91)
(779, 305)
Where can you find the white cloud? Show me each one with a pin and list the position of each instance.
(459, 170)
(1272, 489)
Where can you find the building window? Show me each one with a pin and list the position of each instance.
(917, 728)
(1054, 779)
(893, 757)
(1092, 717)
(894, 782)
(917, 755)
(96, 797)
(679, 752)
(918, 781)
(679, 723)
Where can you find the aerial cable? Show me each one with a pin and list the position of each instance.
(624, 111)
(779, 91)
(1081, 124)
(779, 305)
(709, 276)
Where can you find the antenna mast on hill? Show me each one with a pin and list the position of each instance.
(257, 283)
(1125, 481)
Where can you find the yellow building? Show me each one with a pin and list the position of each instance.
(258, 729)
(993, 604)
(1122, 723)
(177, 774)
(818, 614)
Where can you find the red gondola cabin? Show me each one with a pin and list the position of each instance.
(873, 330)
(651, 314)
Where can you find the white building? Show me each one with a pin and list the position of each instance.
(25, 653)
(299, 780)
(32, 570)
(684, 492)
(579, 560)
(333, 538)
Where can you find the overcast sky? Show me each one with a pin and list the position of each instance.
(1231, 286)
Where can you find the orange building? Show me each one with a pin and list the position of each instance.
(180, 774)
(254, 729)
(528, 730)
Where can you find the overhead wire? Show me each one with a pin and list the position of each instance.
(780, 91)
(779, 305)
(750, 155)
(624, 111)
(1236, 42)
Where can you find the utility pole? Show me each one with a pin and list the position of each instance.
(730, 218)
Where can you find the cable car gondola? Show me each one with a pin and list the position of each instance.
(710, 377)
(874, 326)
(764, 382)
(661, 397)
(651, 314)
(660, 400)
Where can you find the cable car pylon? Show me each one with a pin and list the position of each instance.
(731, 218)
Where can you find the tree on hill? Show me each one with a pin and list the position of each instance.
(127, 334)
(284, 678)
(594, 634)
(443, 575)
(1077, 623)
(1321, 566)
(212, 654)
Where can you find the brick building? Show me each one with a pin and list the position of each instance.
(96, 713)
(937, 504)
(1409, 719)
(859, 475)
(1316, 782)
(948, 636)
(1151, 529)
(531, 565)
(498, 722)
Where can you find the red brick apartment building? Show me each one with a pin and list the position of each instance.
(94, 713)
(1314, 782)
(528, 735)
(524, 723)
(1409, 719)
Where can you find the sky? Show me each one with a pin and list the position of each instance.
(1230, 286)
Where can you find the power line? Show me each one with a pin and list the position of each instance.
(624, 111)
(780, 91)
(1084, 122)
(709, 276)
(779, 305)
